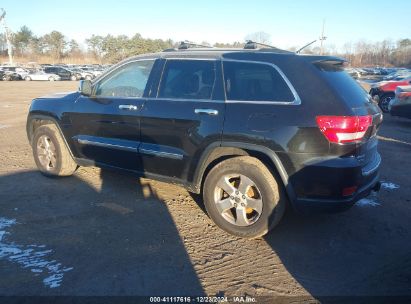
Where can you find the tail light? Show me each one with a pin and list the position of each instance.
(349, 190)
(344, 129)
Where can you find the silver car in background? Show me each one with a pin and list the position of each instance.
(41, 75)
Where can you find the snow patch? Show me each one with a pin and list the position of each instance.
(389, 186)
(365, 202)
(31, 257)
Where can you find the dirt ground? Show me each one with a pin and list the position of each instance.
(107, 233)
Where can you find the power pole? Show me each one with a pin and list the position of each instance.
(8, 34)
(322, 38)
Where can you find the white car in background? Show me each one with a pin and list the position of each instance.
(95, 71)
(41, 75)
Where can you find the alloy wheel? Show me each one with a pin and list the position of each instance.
(46, 152)
(238, 199)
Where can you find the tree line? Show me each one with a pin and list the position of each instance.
(362, 53)
(111, 49)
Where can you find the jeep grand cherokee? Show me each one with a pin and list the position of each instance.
(249, 129)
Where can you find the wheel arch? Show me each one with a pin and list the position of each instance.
(217, 153)
(36, 120)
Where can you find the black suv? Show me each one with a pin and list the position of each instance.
(250, 129)
(64, 73)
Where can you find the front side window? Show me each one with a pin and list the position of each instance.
(188, 79)
(129, 80)
(246, 81)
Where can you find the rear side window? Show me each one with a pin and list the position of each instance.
(345, 86)
(188, 79)
(245, 81)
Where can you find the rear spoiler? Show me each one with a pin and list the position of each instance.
(328, 63)
(330, 60)
(337, 62)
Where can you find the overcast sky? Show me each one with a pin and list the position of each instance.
(290, 23)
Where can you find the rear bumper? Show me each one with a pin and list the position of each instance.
(320, 186)
(306, 205)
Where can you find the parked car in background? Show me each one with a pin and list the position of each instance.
(353, 72)
(41, 75)
(401, 104)
(10, 76)
(398, 74)
(95, 71)
(81, 74)
(17, 70)
(64, 73)
(382, 92)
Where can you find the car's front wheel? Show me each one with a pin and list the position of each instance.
(243, 197)
(73, 77)
(50, 152)
(51, 78)
(27, 78)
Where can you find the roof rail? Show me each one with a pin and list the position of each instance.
(187, 44)
(252, 45)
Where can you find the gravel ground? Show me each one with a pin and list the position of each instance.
(106, 233)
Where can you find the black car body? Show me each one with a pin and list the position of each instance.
(64, 73)
(200, 107)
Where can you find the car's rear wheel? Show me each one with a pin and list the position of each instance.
(51, 78)
(243, 197)
(385, 101)
(50, 152)
(73, 77)
(27, 78)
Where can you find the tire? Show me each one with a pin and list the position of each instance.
(261, 203)
(73, 77)
(88, 77)
(27, 78)
(385, 101)
(58, 160)
(51, 78)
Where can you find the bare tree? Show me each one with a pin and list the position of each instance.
(260, 37)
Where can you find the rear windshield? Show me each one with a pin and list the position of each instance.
(347, 88)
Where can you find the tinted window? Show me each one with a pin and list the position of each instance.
(255, 82)
(346, 87)
(129, 80)
(188, 79)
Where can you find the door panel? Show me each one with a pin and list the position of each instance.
(105, 133)
(173, 135)
(176, 126)
(107, 125)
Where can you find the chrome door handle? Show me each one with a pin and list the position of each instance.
(206, 111)
(128, 107)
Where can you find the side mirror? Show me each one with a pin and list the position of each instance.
(85, 87)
